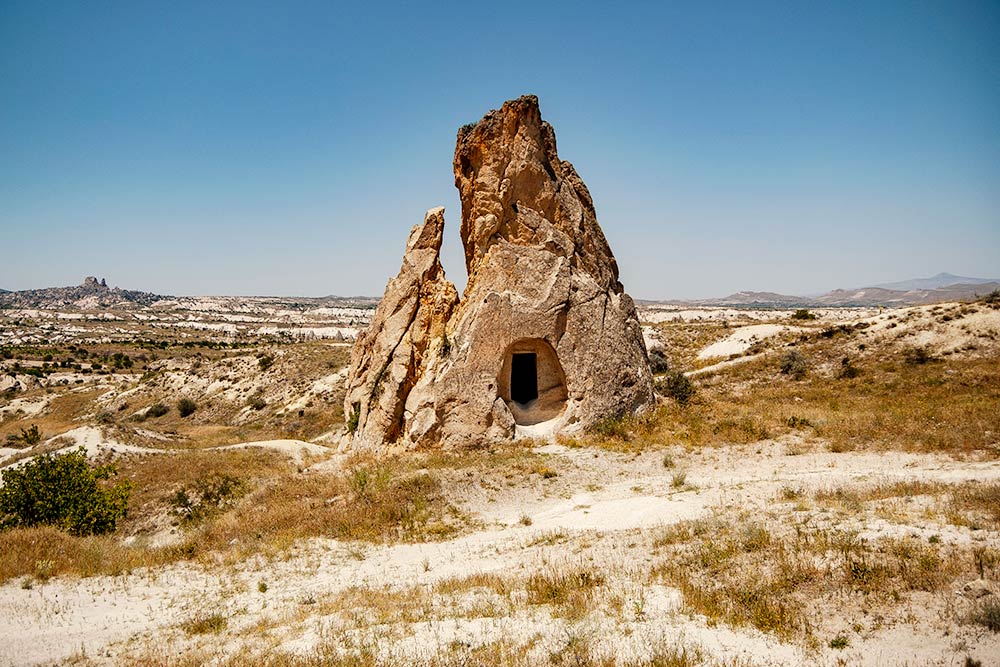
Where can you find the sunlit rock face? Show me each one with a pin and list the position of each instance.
(544, 339)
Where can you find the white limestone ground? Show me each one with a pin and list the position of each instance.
(742, 339)
(599, 511)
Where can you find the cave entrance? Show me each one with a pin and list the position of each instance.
(531, 381)
(523, 377)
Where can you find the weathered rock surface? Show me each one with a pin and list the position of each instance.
(544, 340)
(393, 353)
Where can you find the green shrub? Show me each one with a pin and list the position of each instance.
(156, 410)
(265, 361)
(794, 364)
(28, 437)
(658, 361)
(186, 407)
(63, 490)
(677, 386)
(803, 314)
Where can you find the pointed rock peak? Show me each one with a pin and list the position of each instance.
(510, 179)
(430, 233)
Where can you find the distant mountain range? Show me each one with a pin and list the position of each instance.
(934, 282)
(94, 293)
(914, 292)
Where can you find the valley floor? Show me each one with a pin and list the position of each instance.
(602, 515)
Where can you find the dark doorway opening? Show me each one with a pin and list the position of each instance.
(523, 377)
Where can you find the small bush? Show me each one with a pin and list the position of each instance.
(265, 361)
(794, 365)
(917, 356)
(186, 407)
(63, 490)
(658, 361)
(28, 437)
(992, 299)
(848, 370)
(798, 422)
(205, 497)
(257, 403)
(987, 614)
(803, 314)
(677, 386)
(156, 410)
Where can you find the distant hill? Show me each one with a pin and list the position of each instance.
(919, 291)
(92, 293)
(935, 282)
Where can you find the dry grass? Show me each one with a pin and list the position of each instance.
(576, 650)
(951, 407)
(395, 503)
(773, 578)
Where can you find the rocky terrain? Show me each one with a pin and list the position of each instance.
(832, 506)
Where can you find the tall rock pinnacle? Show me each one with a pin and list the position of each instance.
(544, 339)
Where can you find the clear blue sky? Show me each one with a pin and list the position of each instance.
(288, 147)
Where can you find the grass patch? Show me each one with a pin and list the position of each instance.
(768, 577)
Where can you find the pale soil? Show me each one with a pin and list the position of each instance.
(601, 509)
(742, 339)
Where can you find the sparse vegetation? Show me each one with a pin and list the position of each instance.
(987, 614)
(206, 497)
(803, 314)
(213, 623)
(156, 410)
(186, 407)
(918, 355)
(658, 362)
(794, 364)
(28, 437)
(677, 386)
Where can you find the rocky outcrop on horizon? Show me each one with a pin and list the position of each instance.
(91, 293)
(543, 289)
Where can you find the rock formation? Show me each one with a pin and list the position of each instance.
(393, 353)
(544, 339)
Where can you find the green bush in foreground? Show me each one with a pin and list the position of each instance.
(63, 490)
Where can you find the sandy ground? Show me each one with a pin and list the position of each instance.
(742, 339)
(602, 508)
